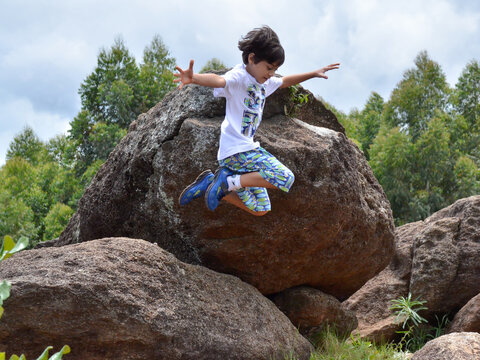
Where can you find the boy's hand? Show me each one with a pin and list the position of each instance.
(184, 76)
(322, 71)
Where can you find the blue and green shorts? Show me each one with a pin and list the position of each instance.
(261, 161)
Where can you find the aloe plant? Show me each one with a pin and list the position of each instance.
(9, 247)
(44, 356)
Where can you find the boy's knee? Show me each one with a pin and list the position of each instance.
(289, 180)
(291, 177)
(260, 213)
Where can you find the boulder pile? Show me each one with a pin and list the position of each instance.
(435, 260)
(120, 298)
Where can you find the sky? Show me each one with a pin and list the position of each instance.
(48, 48)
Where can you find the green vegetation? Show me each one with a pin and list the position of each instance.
(44, 356)
(423, 144)
(41, 182)
(416, 330)
(213, 64)
(297, 98)
(328, 345)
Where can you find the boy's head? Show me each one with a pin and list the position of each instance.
(264, 44)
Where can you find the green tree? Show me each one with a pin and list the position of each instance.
(415, 100)
(349, 122)
(467, 102)
(61, 150)
(433, 170)
(467, 175)
(391, 158)
(113, 96)
(26, 145)
(16, 217)
(109, 94)
(103, 139)
(29, 190)
(213, 64)
(369, 121)
(156, 73)
(56, 220)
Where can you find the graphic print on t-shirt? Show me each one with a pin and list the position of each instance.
(254, 102)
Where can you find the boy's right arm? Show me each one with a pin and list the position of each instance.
(185, 77)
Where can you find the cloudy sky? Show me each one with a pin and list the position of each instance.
(48, 47)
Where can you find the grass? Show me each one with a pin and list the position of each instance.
(329, 346)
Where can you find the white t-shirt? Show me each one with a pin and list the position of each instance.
(244, 109)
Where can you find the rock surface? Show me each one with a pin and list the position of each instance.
(335, 216)
(372, 302)
(129, 299)
(468, 318)
(435, 259)
(456, 346)
(310, 311)
(445, 268)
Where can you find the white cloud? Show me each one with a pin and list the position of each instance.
(48, 48)
(19, 113)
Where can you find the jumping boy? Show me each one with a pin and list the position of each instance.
(246, 169)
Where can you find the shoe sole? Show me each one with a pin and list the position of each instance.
(199, 178)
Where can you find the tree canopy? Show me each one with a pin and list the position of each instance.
(41, 182)
(423, 144)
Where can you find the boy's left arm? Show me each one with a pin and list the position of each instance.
(290, 80)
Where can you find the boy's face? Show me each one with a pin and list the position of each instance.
(261, 71)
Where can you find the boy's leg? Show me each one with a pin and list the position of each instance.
(259, 170)
(268, 172)
(255, 179)
(233, 199)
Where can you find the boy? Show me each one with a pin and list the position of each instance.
(246, 169)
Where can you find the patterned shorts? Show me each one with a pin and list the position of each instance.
(272, 170)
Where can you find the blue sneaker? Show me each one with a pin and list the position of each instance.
(218, 188)
(197, 188)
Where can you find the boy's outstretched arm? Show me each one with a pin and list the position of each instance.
(185, 77)
(290, 80)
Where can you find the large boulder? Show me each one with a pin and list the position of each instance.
(311, 311)
(436, 260)
(468, 318)
(456, 346)
(129, 299)
(320, 234)
(445, 268)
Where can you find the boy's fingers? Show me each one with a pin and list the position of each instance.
(191, 64)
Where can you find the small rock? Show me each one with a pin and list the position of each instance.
(468, 318)
(455, 346)
(311, 310)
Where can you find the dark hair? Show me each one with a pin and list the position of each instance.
(264, 43)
